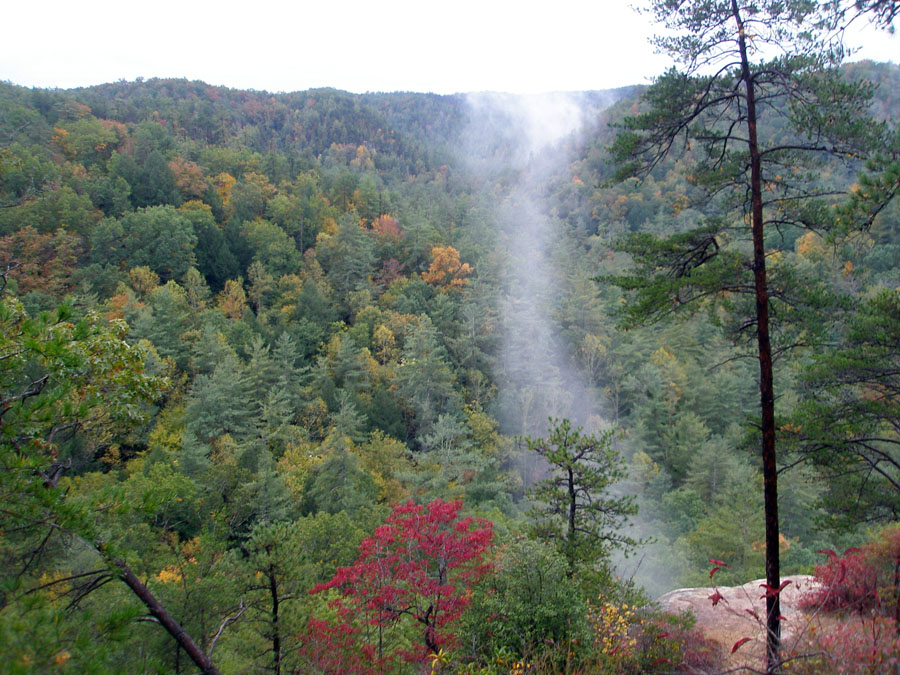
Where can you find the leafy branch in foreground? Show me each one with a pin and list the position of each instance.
(68, 385)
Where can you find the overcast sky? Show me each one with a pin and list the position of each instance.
(355, 45)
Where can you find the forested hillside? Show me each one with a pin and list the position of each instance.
(267, 357)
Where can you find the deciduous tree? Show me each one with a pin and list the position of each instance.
(416, 567)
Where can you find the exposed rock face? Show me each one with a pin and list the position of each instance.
(732, 618)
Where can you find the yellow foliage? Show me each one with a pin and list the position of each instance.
(224, 184)
(232, 301)
(363, 159)
(484, 431)
(169, 574)
(112, 456)
(294, 466)
(383, 457)
(384, 343)
(611, 624)
(643, 468)
(783, 544)
(672, 371)
(60, 138)
(446, 270)
(143, 280)
(810, 246)
(224, 451)
(662, 356)
(195, 205)
(262, 182)
(329, 227)
(54, 587)
(191, 548)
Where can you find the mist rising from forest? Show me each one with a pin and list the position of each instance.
(516, 145)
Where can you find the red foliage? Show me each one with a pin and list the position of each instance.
(740, 643)
(848, 582)
(864, 581)
(418, 566)
(773, 592)
(862, 645)
(391, 270)
(336, 650)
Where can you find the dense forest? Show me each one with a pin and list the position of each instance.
(325, 382)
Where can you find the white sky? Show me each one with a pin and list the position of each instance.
(355, 45)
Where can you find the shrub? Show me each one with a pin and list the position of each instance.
(860, 645)
(862, 580)
(526, 607)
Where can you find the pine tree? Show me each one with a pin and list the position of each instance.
(758, 104)
(576, 508)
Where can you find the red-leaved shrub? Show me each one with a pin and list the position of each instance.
(861, 587)
(862, 580)
(859, 645)
(847, 582)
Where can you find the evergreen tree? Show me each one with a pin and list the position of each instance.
(848, 423)
(716, 107)
(219, 403)
(576, 508)
(425, 379)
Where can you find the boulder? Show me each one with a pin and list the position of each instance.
(741, 612)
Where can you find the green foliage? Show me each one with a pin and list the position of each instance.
(68, 386)
(158, 237)
(526, 606)
(849, 420)
(338, 484)
(576, 508)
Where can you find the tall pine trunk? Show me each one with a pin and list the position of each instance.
(766, 379)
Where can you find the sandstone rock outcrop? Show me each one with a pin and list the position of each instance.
(741, 613)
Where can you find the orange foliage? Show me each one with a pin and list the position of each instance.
(45, 261)
(188, 178)
(71, 110)
(117, 304)
(387, 227)
(446, 271)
